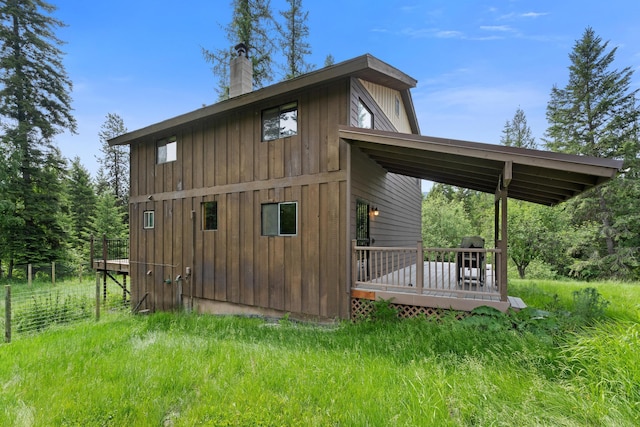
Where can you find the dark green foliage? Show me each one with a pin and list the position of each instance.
(34, 107)
(588, 305)
(251, 24)
(383, 311)
(597, 114)
(114, 161)
(516, 133)
(293, 39)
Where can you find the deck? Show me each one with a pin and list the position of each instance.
(443, 282)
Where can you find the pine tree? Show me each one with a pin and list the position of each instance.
(516, 133)
(293, 40)
(82, 202)
(597, 114)
(35, 105)
(252, 24)
(114, 162)
(109, 219)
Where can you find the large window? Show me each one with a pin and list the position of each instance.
(209, 215)
(280, 219)
(167, 150)
(365, 118)
(280, 122)
(148, 220)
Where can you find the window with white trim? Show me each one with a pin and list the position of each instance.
(148, 220)
(280, 219)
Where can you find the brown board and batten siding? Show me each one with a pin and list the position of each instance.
(223, 159)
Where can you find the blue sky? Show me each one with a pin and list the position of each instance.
(476, 62)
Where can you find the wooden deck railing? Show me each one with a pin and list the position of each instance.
(462, 272)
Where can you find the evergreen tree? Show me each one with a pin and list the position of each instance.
(516, 133)
(109, 219)
(597, 114)
(82, 203)
(293, 39)
(329, 60)
(252, 24)
(35, 105)
(114, 162)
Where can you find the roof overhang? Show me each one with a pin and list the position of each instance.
(366, 67)
(542, 177)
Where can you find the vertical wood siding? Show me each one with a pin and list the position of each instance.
(222, 159)
(386, 98)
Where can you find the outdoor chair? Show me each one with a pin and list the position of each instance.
(471, 261)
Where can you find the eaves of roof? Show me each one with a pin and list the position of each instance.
(537, 176)
(366, 67)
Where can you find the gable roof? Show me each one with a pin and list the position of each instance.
(366, 67)
(542, 177)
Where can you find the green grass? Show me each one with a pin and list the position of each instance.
(184, 370)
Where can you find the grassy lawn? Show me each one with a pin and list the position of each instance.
(183, 370)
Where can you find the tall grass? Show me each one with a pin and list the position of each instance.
(185, 369)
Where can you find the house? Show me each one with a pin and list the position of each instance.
(304, 197)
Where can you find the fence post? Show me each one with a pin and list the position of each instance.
(29, 275)
(53, 273)
(97, 296)
(7, 313)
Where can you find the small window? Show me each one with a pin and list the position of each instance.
(280, 219)
(167, 150)
(280, 122)
(148, 219)
(397, 110)
(365, 118)
(209, 215)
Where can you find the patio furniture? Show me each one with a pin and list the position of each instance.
(471, 261)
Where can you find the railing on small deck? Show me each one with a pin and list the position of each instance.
(110, 254)
(453, 272)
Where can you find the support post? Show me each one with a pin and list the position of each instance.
(97, 296)
(503, 247)
(53, 273)
(104, 265)
(354, 263)
(420, 269)
(7, 313)
(29, 274)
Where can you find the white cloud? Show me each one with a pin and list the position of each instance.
(533, 14)
(500, 28)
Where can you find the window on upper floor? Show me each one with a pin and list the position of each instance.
(280, 219)
(167, 150)
(148, 219)
(209, 215)
(280, 122)
(397, 107)
(365, 118)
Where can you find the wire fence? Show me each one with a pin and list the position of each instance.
(31, 309)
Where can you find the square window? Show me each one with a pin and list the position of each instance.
(280, 219)
(209, 215)
(365, 118)
(167, 150)
(148, 220)
(280, 122)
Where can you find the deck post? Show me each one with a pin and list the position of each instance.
(420, 268)
(354, 263)
(104, 265)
